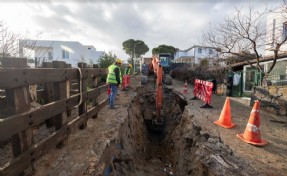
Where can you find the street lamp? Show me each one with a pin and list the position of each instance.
(134, 53)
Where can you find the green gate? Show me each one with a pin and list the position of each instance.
(251, 79)
(237, 84)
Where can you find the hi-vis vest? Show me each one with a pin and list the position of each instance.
(127, 71)
(112, 76)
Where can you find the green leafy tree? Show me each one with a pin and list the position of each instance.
(164, 49)
(134, 48)
(107, 59)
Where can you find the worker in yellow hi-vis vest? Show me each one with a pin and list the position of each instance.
(127, 77)
(114, 80)
(128, 69)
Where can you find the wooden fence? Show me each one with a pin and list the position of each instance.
(19, 118)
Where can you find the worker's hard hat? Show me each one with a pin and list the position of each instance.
(130, 65)
(119, 61)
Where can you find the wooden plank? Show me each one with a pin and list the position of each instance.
(14, 62)
(60, 92)
(18, 101)
(19, 164)
(102, 104)
(16, 123)
(83, 87)
(23, 161)
(103, 89)
(3, 105)
(92, 72)
(17, 77)
(48, 95)
(10, 78)
(78, 122)
(95, 83)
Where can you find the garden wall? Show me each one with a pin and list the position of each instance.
(273, 98)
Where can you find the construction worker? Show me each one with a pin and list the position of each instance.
(128, 69)
(114, 80)
(126, 77)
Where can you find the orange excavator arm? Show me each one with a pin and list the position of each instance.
(159, 91)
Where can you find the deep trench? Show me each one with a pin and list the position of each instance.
(179, 147)
(146, 149)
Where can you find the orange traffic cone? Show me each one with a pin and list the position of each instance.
(252, 133)
(225, 116)
(185, 88)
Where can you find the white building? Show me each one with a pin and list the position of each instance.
(71, 52)
(276, 31)
(195, 54)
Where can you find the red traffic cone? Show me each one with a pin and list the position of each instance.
(185, 88)
(225, 116)
(252, 133)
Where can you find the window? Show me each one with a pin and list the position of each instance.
(210, 51)
(284, 35)
(199, 50)
(50, 55)
(65, 54)
(164, 59)
(273, 31)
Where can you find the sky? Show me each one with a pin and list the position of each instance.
(105, 24)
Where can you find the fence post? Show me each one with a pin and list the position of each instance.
(48, 95)
(83, 105)
(69, 82)
(95, 84)
(18, 101)
(60, 92)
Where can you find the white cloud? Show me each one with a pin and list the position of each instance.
(107, 25)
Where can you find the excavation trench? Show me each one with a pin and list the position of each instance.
(180, 147)
(144, 148)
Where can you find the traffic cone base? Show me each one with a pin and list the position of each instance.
(231, 125)
(262, 142)
(225, 116)
(252, 133)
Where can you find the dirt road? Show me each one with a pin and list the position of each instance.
(268, 160)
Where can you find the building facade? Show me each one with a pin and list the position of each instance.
(196, 54)
(71, 52)
(276, 32)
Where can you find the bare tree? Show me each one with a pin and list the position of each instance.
(244, 34)
(8, 41)
(12, 44)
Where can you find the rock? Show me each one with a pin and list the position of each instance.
(212, 146)
(219, 144)
(229, 151)
(204, 134)
(212, 140)
(63, 173)
(156, 161)
(141, 100)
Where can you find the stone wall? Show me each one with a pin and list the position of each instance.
(272, 98)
